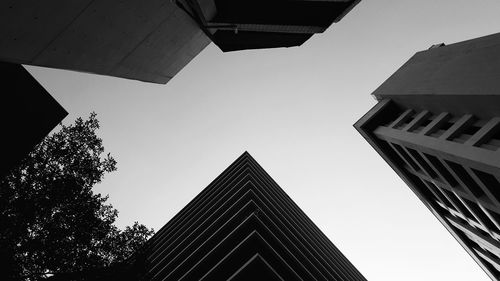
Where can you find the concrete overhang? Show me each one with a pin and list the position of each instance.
(152, 40)
(463, 76)
(470, 67)
(142, 40)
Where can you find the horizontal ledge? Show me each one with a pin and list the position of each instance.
(265, 27)
(481, 158)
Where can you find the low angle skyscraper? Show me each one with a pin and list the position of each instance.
(437, 124)
(243, 226)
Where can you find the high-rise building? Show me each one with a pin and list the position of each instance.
(243, 226)
(437, 124)
(153, 40)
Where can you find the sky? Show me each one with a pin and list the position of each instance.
(292, 109)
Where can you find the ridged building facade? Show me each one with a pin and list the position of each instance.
(243, 226)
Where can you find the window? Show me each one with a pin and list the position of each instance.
(490, 182)
(442, 170)
(466, 179)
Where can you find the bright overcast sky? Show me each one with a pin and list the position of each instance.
(293, 110)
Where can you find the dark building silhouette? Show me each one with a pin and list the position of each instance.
(153, 40)
(243, 226)
(28, 114)
(437, 124)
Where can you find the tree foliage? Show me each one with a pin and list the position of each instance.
(50, 219)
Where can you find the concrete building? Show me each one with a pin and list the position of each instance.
(243, 226)
(437, 124)
(152, 40)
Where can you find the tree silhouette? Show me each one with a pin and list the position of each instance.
(50, 220)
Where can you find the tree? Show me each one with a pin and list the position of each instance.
(50, 219)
